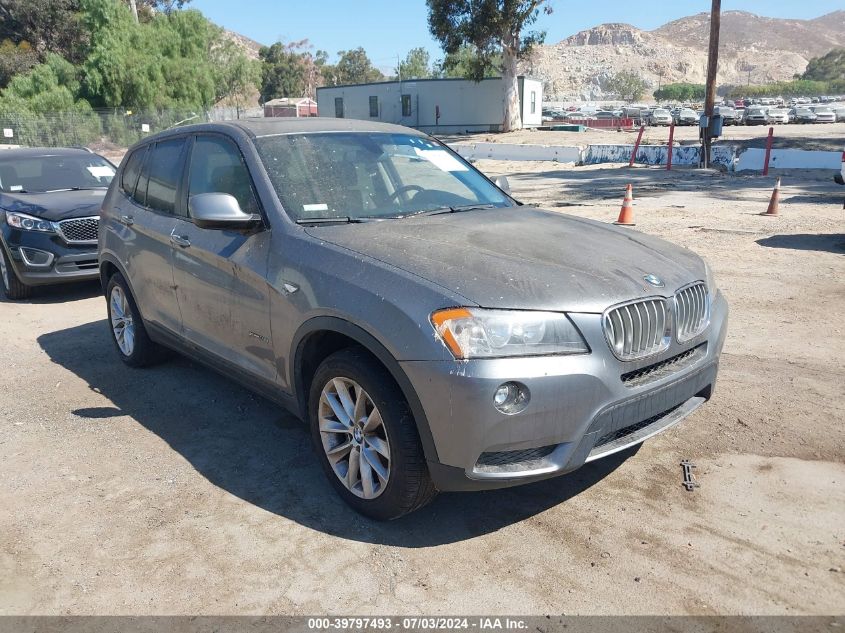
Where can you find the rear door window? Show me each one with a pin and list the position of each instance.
(164, 167)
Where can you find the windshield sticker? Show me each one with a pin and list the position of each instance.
(315, 207)
(100, 171)
(441, 159)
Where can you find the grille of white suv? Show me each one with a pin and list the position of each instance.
(80, 230)
(638, 329)
(692, 311)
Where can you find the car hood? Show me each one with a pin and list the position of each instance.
(523, 257)
(56, 205)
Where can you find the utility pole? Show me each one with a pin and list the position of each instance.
(712, 67)
(134, 8)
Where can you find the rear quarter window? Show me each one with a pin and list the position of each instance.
(129, 177)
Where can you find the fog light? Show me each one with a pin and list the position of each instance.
(511, 398)
(35, 258)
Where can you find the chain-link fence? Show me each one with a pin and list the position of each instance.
(120, 127)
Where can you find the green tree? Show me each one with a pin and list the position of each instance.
(52, 86)
(15, 59)
(354, 67)
(627, 85)
(416, 65)
(490, 27)
(235, 75)
(171, 62)
(465, 62)
(49, 26)
(680, 92)
(826, 68)
(795, 88)
(283, 72)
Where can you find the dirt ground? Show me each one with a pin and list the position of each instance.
(822, 136)
(174, 491)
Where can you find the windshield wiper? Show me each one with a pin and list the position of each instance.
(342, 220)
(72, 189)
(442, 210)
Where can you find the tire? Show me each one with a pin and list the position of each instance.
(13, 287)
(140, 351)
(407, 486)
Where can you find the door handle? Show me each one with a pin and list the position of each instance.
(128, 220)
(179, 240)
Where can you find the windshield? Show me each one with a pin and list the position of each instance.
(38, 174)
(370, 175)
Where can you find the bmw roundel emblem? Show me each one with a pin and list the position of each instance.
(654, 280)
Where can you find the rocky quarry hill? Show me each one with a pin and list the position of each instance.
(752, 48)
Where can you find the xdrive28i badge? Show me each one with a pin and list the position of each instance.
(654, 280)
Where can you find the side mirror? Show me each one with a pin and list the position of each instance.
(502, 183)
(220, 211)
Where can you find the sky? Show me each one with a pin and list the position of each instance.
(390, 28)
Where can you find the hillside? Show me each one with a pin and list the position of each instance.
(752, 48)
(248, 46)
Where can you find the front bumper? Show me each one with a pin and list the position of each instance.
(582, 407)
(45, 258)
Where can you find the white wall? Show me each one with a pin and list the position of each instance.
(753, 158)
(464, 105)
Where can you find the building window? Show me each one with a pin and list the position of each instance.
(406, 105)
(533, 102)
(338, 107)
(374, 106)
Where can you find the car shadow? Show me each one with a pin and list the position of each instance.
(828, 242)
(60, 293)
(255, 450)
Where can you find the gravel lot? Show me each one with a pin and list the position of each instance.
(173, 490)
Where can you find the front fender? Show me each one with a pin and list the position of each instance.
(377, 349)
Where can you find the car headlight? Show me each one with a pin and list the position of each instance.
(29, 223)
(480, 333)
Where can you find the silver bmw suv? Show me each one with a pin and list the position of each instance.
(434, 333)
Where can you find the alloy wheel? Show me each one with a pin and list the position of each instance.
(122, 323)
(354, 438)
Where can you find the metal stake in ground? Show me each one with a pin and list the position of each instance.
(689, 481)
(669, 150)
(636, 146)
(768, 151)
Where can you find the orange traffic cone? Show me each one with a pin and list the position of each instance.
(626, 215)
(775, 200)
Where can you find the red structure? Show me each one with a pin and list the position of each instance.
(292, 107)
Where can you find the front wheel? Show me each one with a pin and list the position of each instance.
(365, 437)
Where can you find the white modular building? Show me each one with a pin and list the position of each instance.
(443, 106)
